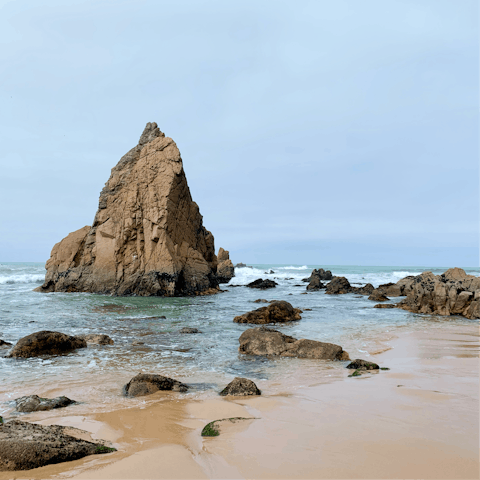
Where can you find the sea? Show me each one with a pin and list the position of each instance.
(147, 338)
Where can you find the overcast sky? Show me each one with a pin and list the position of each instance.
(312, 132)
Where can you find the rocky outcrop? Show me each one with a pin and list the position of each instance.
(241, 387)
(97, 339)
(399, 289)
(147, 237)
(46, 343)
(225, 268)
(34, 403)
(24, 446)
(452, 293)
(277, 312)
(340, 286)
(266, 341)
(146, 384)
(262, 284)
(359, 364)
(377, 296)
(190, 330)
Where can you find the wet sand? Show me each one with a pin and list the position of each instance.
(418, 420)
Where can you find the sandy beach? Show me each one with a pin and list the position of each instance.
(420, 419)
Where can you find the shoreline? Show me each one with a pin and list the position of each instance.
(420, 419)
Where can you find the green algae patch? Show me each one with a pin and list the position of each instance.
(105, 449)
(384, 368)
(212, 429)
(356, 373)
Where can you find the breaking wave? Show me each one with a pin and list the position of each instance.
(22, 278)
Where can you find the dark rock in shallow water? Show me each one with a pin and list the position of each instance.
(359, 364)
(262, 284)
(260, 300)
(24, 446)
(277, 311)
(34, 403)
(146, 384)
(376, 296)
(4, 344)
(340, 285)
(190, 330)
(385, 305)
(241, 387)
(46, 343)
(97, 339)
(266, 341)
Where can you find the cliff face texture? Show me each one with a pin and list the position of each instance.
(147, 237)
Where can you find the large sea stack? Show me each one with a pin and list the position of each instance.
(147, 237)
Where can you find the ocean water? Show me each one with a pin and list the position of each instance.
(147, 339)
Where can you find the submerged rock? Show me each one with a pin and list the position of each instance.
(147, 237)
(359, 364)
(452, 293)
(225, 268)
(46, 343)
(34, 403)
(277, 311)
(97, 339)
(146, 384)
(261, 300)
(4, 344)
(266, 341)
(24, 446)
(262, 284)
(241, 387)
(385, 305)
(190, 330)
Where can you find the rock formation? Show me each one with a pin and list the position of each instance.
(241, 387)
(452, 293)
(146, 384)
(46, 343)
(266, 341)
(225, 268)
(340, 285)
(262, 284)
(147, 237)
(33, 403)
(399, 289)
(276, 312)
(97, 339)
(377, 296)
(359, 364)
(24, 446)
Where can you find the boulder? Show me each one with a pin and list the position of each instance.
(376, 296)
(241, 387)
(338, 285)
(147, 236)
(278, 311)
(24, 446)
(146, 384)
(190, 330)
(46, 343)
(266, 341)
(360, 364)
(97, 339)
(452, 293)
(365, 290)
(315, 280)
(225, 268)
(262, 284)
(34, 403)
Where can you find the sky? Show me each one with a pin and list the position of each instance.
(311, 132)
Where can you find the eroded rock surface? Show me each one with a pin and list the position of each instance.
(452, 293)
(262, 284)
(147, 237)
(266, 341)
(225, 268)
(97, 339)
(241, 387)
(377, 296)
(278, 311)
(46, 343)
(359, 364)
(189, 330)
(146, 384)
(24, 446)
(34, 403)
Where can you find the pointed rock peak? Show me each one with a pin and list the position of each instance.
(151, 132)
